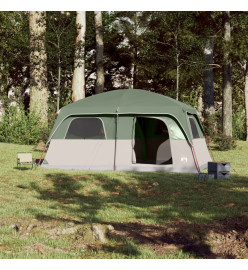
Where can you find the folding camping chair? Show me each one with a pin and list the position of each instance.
(25, 159)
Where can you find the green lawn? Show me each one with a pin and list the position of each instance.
(42, 201)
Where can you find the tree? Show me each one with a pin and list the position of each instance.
(78, 81)
(227, 77)
(240, 58)
(99, 53)
(132, 25)
(38, 68)
(60, 41)
(118, 53)
(171, 55)
(246, 97)
(14, 55)
(208, 77)
(207, 30)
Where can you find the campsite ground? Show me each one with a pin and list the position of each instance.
(49, 213)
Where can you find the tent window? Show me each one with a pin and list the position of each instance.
(194, 128)
(86, 128)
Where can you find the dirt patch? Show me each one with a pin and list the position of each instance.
(227, 238)
(39, 247)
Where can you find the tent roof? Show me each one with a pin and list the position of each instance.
(129, 101)
(126, 102)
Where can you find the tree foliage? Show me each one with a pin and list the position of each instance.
(158, 51)
(14, 53)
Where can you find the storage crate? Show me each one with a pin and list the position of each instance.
(218, 166)
(220, 175)
(219, 169)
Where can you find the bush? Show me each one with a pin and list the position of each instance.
(239, 128)
(224, 143)
(18, 127)
(212, 123)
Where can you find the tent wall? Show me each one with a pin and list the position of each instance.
(202, 154)
(81, 154)
(116, 151)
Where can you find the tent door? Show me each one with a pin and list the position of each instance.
(150, 142)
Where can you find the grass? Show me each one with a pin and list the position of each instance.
(52, 199)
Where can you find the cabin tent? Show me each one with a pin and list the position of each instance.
(128, 130)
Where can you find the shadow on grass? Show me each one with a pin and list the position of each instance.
(175, 199)
(23, 168)
(66, 192)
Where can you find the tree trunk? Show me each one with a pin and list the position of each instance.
(246, 100)
(178, 65)
(59, 72)
(59, 81)
(135, 58)
(227, 78)
(200, 104)
(99, 53)
(38, 68)
(177, 80)
(208, 78)
(78, 81)
(135, 70)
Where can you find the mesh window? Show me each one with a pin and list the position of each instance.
(194, 128)
(85, 128)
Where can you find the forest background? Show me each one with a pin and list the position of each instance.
(196, 57)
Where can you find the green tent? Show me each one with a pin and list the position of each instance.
(128, 130)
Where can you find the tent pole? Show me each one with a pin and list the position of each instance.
(116, 136)
(195, 158)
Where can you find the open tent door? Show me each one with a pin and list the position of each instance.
(151, 142)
